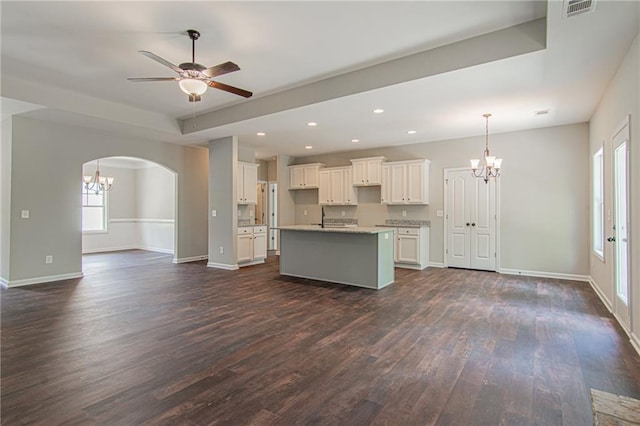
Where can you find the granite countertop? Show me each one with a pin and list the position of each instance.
(317, 228)
(406, 223)
(250, 226)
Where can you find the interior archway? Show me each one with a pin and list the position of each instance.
(138, 212)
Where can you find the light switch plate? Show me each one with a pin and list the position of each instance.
(25, 214)
(439, 213)
(214, 213)
(404, 213)
(305, 212)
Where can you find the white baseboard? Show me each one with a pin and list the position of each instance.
(108, 249)
(40, 280)
(542, 274)
(190, 259)
(409, 266)
(222, 266)
(253, 262)
(635, 342)
(124, 248)
(607, 303)
(437, 265)
(156, 249)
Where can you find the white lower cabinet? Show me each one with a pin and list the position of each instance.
(412, 248)
(252, 245)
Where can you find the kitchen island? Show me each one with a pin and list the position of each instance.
(360, 256)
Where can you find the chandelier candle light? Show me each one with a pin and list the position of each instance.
(491, 166)
(97, 183)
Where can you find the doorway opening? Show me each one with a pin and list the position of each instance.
(137, 213)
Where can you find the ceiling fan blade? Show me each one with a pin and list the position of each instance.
(153, 78)
(225, 68)
(161, 61)
(230, 89)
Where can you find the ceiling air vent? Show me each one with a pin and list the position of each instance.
(578, 7)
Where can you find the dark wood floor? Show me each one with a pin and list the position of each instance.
(140, 340)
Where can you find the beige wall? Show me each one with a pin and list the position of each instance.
(53, 153)
(545, 199)
(622, 98)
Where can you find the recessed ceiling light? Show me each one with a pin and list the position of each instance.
(312, 123)
(308, 147)
(411, 132)
(378, 111)
(355, 140)
(261, 133)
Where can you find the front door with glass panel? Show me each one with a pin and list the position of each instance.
(619, 234)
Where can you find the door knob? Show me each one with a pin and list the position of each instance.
(611, 239)
(467, 223)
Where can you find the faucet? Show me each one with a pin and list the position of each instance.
(322, 222)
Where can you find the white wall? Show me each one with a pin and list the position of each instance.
(544, 191)
(54, 153)
(621, 98)
(141, 208)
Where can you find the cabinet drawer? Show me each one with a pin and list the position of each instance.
(245, 230)
(408, 231)
(260, 230)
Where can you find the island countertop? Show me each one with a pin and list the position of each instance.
(343, 230)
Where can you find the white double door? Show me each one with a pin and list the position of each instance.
(470, 221)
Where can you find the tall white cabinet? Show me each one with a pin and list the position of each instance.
(246, 192)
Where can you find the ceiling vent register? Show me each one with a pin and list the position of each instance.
(578, 7)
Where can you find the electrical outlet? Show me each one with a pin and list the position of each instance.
(305, 212)
(343, 213)
(48, 259)
(404, 213)
(214, 213)
(251, 213)
(239, 213)
(221, 250)
(439, 213)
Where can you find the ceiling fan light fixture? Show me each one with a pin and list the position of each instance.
(193, 86)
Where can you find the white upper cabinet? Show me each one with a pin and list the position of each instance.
(405, 182)
(336, 187)
(304, 176)
(246, 192)
(367, 171)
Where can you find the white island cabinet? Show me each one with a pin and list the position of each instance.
(412, 247)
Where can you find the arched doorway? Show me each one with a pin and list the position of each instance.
(138, 212)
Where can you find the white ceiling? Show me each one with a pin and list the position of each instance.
(74, 58)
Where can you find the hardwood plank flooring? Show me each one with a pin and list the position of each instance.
(139, 340)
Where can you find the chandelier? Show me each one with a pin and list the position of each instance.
(490, 168)
(97, 183)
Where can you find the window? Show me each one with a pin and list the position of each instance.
(94, 212)
(598, 203)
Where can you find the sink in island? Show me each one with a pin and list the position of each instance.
(360, 256)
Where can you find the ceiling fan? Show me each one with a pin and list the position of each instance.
(193, 78)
